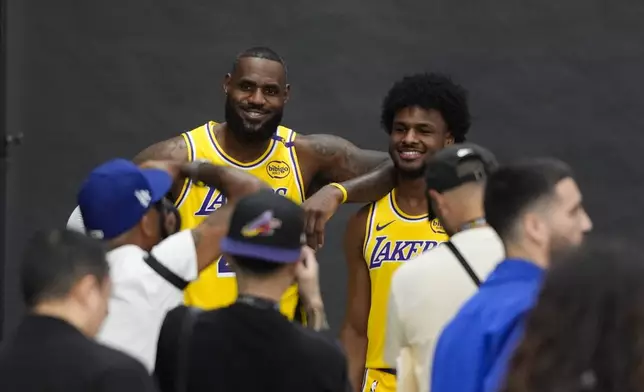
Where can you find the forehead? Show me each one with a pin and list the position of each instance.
(260, 71)
(417, 115)
(568, 193)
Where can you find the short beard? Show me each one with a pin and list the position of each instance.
(407, 174)
(249, 133)
(411, 174)
(560, 250)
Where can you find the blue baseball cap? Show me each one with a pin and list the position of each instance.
(117, 194)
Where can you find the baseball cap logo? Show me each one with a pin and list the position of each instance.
(263, 225)
(143, 196)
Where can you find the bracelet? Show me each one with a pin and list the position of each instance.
(342, 189)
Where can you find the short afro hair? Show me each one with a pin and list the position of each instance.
(429, 91)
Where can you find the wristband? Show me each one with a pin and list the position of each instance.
(342, 189)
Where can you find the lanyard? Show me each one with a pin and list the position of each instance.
(479, 222)
(257, 302)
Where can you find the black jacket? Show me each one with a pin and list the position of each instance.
(243, 348)
(48, 354)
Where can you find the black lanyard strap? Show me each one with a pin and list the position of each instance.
(464, 263)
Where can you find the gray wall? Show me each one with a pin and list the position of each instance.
(89, 80)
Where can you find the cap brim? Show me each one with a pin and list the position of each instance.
(262, 252)
(160, 183)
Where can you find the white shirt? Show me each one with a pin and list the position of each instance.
(426, 293)
(140, 297)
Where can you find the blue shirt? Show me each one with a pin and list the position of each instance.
(472, 342)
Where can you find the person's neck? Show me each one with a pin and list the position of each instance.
(410, 194)
(241, 150)
(266, 289)
(130, 238)
(469, 214)
(64, 311)
(527, 252)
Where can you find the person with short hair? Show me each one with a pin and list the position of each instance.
(66, 285)
(318, 171)
(427, 291)
(535, 206)
(250, 345)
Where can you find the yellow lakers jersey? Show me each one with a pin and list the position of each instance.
(391, 238)
(277, 166)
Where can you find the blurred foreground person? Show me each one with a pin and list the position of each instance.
(151, 260)
(427, 291)
(536, 208)
(586, 331)
(66, 286)
(250, 345)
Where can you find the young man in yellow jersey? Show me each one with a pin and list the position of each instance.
(253, 140)
(422, 114)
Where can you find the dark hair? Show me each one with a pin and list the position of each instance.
(260, 52)
(512, 189)
(587, 326)
(55, 260)
(256, 267)
(429, 91)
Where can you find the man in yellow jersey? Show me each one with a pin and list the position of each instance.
(422, 114)
(294, 165)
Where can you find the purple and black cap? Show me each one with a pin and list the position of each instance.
(266, 226)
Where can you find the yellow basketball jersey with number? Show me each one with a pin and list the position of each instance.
(392, 237)
(278, 166)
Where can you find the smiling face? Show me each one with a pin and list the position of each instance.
(256, 93)
(416, 134)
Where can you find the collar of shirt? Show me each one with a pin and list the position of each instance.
(514, 270)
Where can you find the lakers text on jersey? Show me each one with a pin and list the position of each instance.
(277, 166)
(391, 238)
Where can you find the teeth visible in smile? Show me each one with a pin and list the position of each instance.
(253, 113)
(410, 154)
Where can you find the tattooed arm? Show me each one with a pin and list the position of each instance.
(367, 175)
(174, 149)
(234, 184)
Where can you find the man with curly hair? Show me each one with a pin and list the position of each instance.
(422, 114)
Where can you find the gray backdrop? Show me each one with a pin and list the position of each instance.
(90, 80)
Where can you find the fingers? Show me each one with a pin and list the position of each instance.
(309, 265)
(311, 230)
(320, 222)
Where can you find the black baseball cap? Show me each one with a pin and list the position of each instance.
(443, 172)
(266, 226)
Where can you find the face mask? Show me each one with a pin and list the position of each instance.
(169, 218)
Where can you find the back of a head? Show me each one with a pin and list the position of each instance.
(515, 188)
(266, 233)
(587, 325)
(55, 260)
